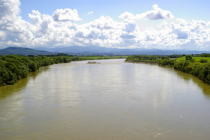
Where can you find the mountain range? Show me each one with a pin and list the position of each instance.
(93, 51)
(23, 51)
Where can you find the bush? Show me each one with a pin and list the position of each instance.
(188, 57)
(166, 62)
(203, 61)
(192, 60)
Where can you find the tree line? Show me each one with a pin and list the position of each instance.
(199, 69)
(204, 55)
(145, 58)
(14, 67)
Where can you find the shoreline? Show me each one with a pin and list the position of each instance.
(86, 59)
(165, 66)
(142, 61)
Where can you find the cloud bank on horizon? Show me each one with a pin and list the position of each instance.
(60, 29)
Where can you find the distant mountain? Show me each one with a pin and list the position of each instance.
(93, 50)
(22, 51)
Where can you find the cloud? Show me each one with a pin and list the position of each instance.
(35, 17)
(163, 24)
(13, 30)
(127, 16)
(9, 8)
(88, 32)
(180, 32)
(91, 12)
(155, 14)
(130, 26)
(48, 30)
(66, 15)
(105, 23)
(127, 36)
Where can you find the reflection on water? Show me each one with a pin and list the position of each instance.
(20, 85)
(111, 100)
(8, 90)
(190, 78)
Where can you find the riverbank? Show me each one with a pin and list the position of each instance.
(16, 67)
(142, 61)
(200, 70)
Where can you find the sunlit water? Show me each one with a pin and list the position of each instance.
(108, 101)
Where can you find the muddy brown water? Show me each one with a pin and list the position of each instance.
(112, 100)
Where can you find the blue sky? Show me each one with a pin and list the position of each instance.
(160, 24)
(186, 9)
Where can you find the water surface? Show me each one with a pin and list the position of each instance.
(108, 101)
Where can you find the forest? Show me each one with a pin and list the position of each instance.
(144, 58)
(14, 67)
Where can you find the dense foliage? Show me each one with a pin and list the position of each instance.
(188, 57)
(204, 55)
(176, 56)
(166, 62)
(203, 60)
(201, 71)
(13, 67)
(145, 58)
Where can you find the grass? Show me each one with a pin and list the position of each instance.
(196, 58)
(181, 58)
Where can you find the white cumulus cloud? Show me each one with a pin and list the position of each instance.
(127, 16)
(155, 14)
(9, 8)
(48, 30)
(35, 17)
(66, 15)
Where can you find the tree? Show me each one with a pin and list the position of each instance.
(33, 66)
(188, 57)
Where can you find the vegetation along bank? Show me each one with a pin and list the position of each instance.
(16, 67)
(198, 65)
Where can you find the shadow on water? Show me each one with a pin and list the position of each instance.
(41, 70)
(8, 90)
(187, 77)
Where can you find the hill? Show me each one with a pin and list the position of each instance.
(94, 50)
(22, 51)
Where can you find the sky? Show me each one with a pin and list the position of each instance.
(149, 24)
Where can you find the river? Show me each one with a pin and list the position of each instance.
(113, 100)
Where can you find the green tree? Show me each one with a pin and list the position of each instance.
(188, 57)
(33, 66)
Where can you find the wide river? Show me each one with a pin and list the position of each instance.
(113, 100)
